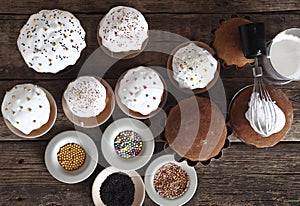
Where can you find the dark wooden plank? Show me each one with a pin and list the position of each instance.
(150, 6)
(243, 175)
(191, 26)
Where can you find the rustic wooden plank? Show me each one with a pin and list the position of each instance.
(191, 26)
(150, 6)
(56, 87)
(243, 175)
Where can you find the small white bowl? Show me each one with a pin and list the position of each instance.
(82, 173)
(150, 172)
(108, 150)
(139, 186)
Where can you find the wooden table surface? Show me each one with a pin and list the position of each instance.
(243, 175)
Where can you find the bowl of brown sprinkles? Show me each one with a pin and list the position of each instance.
(71, 157)
(169, 182)
(114, 187)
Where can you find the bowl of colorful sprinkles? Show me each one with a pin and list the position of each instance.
(71, 157)
(169, 182)
(127, 144)
(114, 187)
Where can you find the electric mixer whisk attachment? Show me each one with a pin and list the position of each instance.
(262, 112)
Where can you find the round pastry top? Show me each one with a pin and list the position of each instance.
(128, 144)
(141, 90)
(193, 67)
(26, 107)
(196, 129)
(51, 40)
(227, 42)
(123, 29)
(85, 97)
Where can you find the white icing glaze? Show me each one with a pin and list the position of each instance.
(285, 55)
(85, 97)
(51, 40)
(258, 118)
(123, 29)
(193, 67)
(26, 107)
(141, 90)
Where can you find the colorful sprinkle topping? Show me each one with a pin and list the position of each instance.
(193, 67)
(141, 90)
(86, 96)
(171, 181)
(128, 144)
(123, 29)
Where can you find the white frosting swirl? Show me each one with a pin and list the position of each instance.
(51, 40)
(258, 119)
(26, 107)
(193, 67)
(123, 29)
(85, 97)
(141, 90)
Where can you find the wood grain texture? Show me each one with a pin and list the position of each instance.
(239, 177)
(243, 175)
(152, 6)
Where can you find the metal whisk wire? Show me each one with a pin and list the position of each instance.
(262, 111)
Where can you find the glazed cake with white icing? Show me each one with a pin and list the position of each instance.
(193, 67)
(85, 97)
(51, 40)
(141, 90)
(123, 29)
(26, 107)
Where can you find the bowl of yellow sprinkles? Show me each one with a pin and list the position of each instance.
(71, 157)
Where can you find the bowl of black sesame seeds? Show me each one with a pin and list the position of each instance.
(114, 187)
